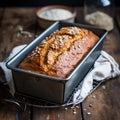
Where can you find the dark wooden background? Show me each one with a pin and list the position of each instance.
(102, 104)
(13, 3)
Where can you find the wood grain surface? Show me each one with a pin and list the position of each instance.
(19, 26)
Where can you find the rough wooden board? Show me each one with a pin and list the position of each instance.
(117, 16)
(11, 111)
(13, 20)
(1, 14)
(11, 33)
(6, 113)
(64, 113)
(104, 103)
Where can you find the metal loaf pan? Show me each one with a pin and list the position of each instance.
(49, 88)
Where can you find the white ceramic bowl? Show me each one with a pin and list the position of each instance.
(47, 15)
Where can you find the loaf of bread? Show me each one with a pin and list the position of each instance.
(58, 54)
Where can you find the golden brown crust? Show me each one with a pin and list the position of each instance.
(60, 53)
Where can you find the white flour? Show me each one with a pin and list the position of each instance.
(55, 14)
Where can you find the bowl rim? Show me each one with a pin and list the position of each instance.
(71, 9)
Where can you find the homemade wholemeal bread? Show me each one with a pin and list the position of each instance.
(58, 54)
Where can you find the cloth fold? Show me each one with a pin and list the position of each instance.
(105, 67)
(7, 72)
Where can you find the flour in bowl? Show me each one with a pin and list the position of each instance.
(55, 14)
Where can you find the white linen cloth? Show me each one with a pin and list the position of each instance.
(7, 72)
(104, 68)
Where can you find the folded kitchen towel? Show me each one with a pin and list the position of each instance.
(104, 68)
(7, 72)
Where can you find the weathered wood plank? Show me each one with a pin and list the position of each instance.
(80, 15)
(1, 14)
(24, 115)
(9, 110)
(17, 27)
(117, 16)
(6, 113)
(63, 113)
(104, 103)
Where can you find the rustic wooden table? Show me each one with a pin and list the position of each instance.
(102, 104)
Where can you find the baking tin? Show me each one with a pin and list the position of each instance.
(49, 88)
